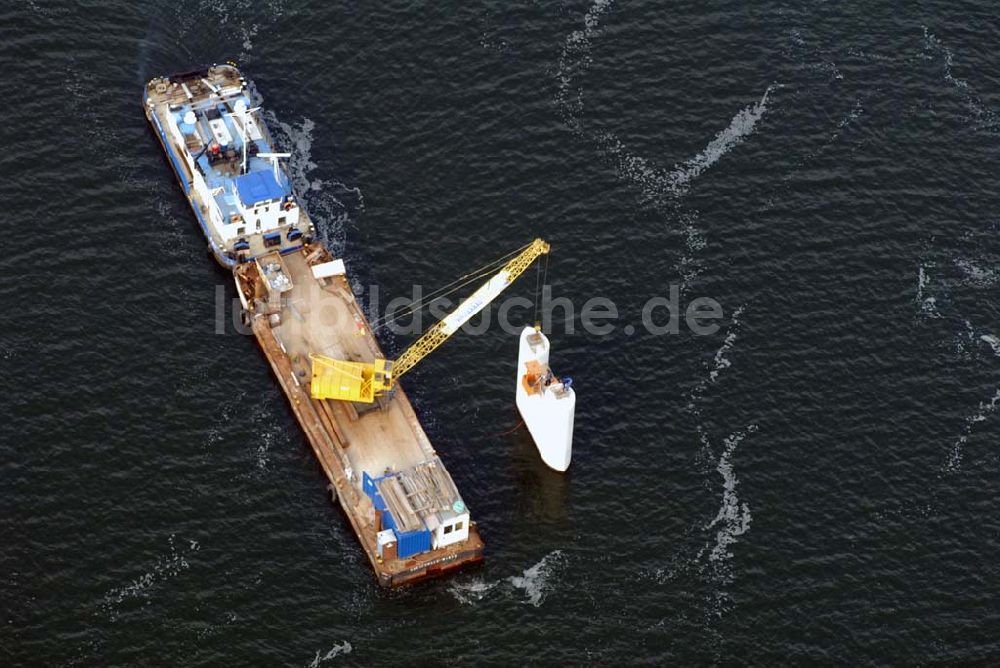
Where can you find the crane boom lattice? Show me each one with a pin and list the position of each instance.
(363, 381)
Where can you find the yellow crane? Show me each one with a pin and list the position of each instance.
(364, 381)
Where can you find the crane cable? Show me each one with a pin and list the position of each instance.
(461, 282)
(538, 278)
(458, 284)
(545, 277)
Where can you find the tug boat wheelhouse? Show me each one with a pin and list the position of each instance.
(225, 160)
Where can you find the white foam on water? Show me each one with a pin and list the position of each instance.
(986, 409)
(664, 189)
(965, 341)
(248, 34)
(651, 183)
(470, 593)
(857, 111)
(740, 127)
(720, 362)
(979, 112)
(658, 187)
(976, 275)
(229, 409)
(993, 342)
(575, 58)
(928, 304)
(325, 200)
(733, 518)
(228, 619)
(165, 567)
(732, 521)
(45, 12)
(342, 649)
(689, 266)
(268, 433)
(536, 582)
(244, 17)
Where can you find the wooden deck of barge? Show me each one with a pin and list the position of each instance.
(322, 316)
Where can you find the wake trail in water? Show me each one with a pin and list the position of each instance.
(928, 303)
(976, 275)
(574, 61)
(733, 518)
(986, 409)
(740, 127)
(658, 186)
(165, 568)
(720, 362)
(244, 18)
(330, 203)
(661, 188)
(992, 341)
(983, 412)
(711, 555)
(983, 116)
(536, 582)
(341, 649)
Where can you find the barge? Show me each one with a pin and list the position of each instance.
(400, 500)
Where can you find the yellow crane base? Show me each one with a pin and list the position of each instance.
(348, 381)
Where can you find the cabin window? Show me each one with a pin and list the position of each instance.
(458, 526)
(448, 529)
(241, 231)
(281, 220)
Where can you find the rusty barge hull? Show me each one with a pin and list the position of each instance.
(342, 438)
(313, 313)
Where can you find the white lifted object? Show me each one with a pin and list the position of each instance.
(546, 403)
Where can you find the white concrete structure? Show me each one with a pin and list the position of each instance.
(546, 403)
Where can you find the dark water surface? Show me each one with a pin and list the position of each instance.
(815, 482)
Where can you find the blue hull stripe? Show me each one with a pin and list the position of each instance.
(179, 172)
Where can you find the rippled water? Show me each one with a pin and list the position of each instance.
(814, 482)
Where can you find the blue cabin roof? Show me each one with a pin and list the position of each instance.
(257, 187)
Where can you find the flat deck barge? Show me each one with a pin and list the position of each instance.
(396, 493)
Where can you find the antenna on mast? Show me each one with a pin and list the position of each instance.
(274, 157)
(241, 113)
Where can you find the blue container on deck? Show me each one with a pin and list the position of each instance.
(388, 522)
(410, 543)
(368, 485)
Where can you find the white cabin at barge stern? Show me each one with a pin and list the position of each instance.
(420, 505)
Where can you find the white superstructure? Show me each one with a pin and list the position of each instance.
(546, 403)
